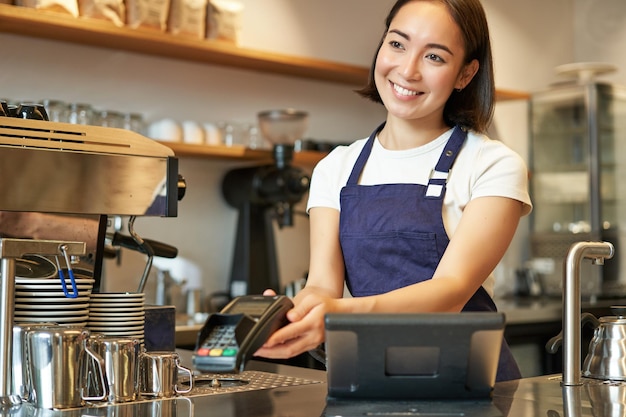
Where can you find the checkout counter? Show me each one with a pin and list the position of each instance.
(301, 392)
(287, 391)
(267, 389)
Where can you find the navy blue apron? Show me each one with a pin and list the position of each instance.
(392, 235)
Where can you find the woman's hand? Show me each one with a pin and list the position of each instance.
(305, 330)
(322, 293)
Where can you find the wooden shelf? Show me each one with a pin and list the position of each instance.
(507, 95)
(239, 153)
(101, 33)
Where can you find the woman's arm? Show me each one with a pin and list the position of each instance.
(478, 244)
(326, 267)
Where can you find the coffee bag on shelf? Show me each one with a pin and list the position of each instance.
(112, 10)
(61, 6)
(150, 14)
(188, 18)
(224, 20)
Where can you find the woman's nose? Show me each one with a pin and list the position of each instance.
(410, 67)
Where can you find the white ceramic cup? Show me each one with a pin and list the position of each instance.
(193, 132)
(212, 134)
(167, 130)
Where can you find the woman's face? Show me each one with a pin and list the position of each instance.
(421, 61)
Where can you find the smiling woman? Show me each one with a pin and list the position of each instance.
(416, 217)
(467, 59)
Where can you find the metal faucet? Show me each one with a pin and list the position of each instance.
(597, 252)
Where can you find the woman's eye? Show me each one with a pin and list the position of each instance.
(434, 57)
(396, 44)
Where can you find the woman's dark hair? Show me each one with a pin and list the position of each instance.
(472, 107)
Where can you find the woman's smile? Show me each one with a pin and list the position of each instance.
(402, 91)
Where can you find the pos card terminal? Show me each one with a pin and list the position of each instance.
(229, 338)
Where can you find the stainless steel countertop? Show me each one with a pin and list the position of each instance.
(539, 396)
(529, 397)
(545, 309)
(521, 311)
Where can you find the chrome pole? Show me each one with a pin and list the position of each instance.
(597, 252)
(7, 297)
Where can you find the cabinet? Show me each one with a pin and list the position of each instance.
(578, 165)
(100, 33)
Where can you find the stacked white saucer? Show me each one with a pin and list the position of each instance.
(120, 314)
(43, 301)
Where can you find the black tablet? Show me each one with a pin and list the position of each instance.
(413, 356)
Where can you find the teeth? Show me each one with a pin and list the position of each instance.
(403, 91)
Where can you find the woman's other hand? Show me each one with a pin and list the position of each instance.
(305, 330)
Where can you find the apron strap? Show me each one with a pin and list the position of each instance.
(439, 175)
(365, 153)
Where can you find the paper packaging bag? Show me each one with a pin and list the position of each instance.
(147, 14)
(113, 10)
(188, 18)
(62, 6)
(224, 20)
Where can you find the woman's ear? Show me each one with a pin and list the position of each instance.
(467, 73)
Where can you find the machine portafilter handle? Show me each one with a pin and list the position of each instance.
(160, 249)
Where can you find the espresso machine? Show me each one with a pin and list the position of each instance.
(72, 170)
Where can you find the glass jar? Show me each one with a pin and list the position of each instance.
(57, 110)
(109, 118)
(134, 122)
(80, 114)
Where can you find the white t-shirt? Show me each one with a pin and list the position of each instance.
(484, 167)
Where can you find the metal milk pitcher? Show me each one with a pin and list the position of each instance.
(20, 383)
(605, 359)
(58, 367)
(120, 361)
(158, 375)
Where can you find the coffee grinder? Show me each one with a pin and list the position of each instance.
(262, 194)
